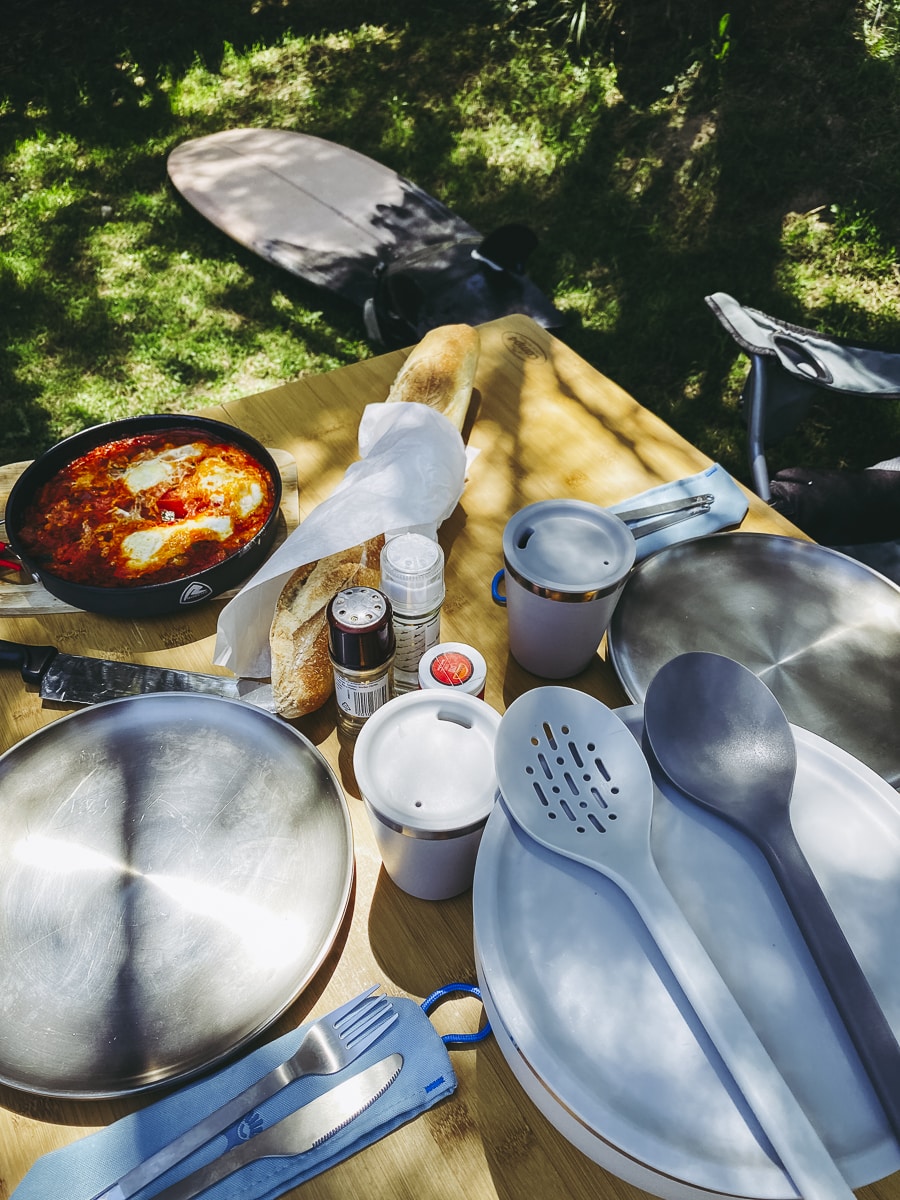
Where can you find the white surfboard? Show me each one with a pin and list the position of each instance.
(343, 222)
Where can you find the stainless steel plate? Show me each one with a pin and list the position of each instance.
(821, 629)
(173, 870)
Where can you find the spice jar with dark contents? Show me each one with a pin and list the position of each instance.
(361, 648)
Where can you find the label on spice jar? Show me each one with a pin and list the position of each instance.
(414, 636)
(361, 698)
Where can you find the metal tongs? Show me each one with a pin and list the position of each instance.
(667, 512)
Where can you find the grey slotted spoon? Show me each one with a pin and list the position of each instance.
(575, 780)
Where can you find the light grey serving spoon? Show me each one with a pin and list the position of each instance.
(722, 738)
(575, 780)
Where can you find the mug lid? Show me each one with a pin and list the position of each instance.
(568, 546)
(424, 762)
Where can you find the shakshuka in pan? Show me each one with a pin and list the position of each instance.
(147, 509)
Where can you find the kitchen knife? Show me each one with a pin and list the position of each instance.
(297, 1133)
(77, 679)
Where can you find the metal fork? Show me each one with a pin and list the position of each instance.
(329, 1045)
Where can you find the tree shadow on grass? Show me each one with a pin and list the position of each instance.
(95, 70)
(788, 126)
(681, 189)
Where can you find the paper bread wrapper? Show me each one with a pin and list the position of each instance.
(410, 474)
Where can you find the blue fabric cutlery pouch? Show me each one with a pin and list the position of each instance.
(729, 507)
(88, 1166)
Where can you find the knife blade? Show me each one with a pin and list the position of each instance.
(297, 1133)
(78, 679)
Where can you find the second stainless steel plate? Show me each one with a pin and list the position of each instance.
(173, 870)
(820, 629)
(602, 1039)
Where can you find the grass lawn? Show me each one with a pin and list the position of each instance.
(680, 149)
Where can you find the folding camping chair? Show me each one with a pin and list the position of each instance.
(855, 511)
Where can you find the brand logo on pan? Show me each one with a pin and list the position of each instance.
(194, 592)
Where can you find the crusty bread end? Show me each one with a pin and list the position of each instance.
(440, 372)
(302, 678)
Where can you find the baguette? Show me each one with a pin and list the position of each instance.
(302, 678)
(439, 372)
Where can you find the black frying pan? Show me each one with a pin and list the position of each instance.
(143, 600)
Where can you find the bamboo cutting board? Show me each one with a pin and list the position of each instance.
(544, 424)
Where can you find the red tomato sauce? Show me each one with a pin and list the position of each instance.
(147, 509)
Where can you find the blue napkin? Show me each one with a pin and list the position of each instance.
(729, 507)
(79, 1171)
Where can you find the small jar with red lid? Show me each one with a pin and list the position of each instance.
(455, 667)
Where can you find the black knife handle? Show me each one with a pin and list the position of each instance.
(32, 661)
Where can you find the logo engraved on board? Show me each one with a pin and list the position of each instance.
(523, 346)
(194, 592)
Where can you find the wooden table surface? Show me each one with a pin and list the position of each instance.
(546, 425)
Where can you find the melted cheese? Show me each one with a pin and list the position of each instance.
(250, 500)
(148, 509)
(219, 480)
(151, 547)
(156, 468)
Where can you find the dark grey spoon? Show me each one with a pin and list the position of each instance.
(718, 733)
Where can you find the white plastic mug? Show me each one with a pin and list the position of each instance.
(424, 763)
(565, 563)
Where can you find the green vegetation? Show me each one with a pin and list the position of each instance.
(661, 151)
